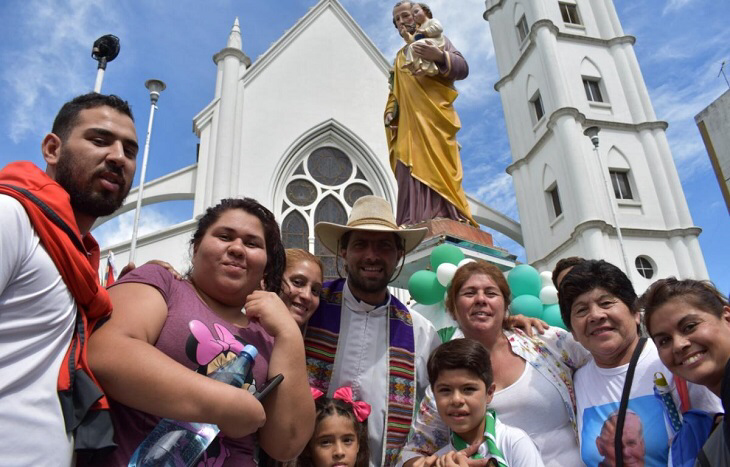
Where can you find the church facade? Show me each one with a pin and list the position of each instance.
(307, 139)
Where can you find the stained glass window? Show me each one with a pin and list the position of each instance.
(301, 192)
(329, 210)
(294, 231)
(356, 191)
(329, 166)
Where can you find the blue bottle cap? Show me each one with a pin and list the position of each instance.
(251, 350)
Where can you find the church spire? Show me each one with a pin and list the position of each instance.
(234, 38)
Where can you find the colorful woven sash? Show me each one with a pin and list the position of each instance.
(320, 343)
(489, 448)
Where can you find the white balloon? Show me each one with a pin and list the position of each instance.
(465, 261)
(549, 295)
(445, 273)
(547, 278)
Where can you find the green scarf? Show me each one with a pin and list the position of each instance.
(488, 449)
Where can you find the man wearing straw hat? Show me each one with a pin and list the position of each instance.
(362, 336)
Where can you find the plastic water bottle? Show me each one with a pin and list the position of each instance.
(177, 444)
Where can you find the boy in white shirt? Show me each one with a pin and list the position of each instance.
(460, 374)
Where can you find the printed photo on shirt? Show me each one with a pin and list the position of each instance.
(645, 438)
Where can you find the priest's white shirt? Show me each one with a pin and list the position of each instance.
(361, 360)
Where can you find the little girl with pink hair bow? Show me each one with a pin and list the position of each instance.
(340, 433)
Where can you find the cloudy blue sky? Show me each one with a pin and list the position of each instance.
(45, 60)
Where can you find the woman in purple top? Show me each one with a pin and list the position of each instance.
(165, 335)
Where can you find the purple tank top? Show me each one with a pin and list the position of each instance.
(199, 339)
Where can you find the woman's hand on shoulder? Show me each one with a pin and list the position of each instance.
(526, 324)
(270, 311)
(164, 264)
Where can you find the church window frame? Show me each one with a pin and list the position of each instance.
(537, 108)
(645, 266)
(621, 176)
(592, 87)
(569, 13)
(523, 30)
(555, 209)
(333, 187)
(621, 183)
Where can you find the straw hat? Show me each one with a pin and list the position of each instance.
(369, 214)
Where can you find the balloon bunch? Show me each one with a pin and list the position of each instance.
(534, 295)
(428, 287)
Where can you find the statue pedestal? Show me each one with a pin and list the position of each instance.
(475, 243)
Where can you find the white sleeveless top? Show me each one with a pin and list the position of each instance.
(548, 424)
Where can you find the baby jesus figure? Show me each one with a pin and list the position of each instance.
(429, 31)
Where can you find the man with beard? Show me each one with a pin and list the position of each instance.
(50, 297)
(363, 337)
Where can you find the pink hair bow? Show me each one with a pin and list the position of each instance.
(316, 393)
(361, 409)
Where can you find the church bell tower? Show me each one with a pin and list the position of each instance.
(566, 66)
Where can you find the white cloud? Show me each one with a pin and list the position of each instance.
(498, 193)
(675, 5)
(119, 229)
(42, 68)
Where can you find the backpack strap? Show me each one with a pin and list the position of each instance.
(618, 441)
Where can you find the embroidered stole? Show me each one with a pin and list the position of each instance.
(488, 449)
(320, 343)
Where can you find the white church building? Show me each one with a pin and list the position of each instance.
(307, 141)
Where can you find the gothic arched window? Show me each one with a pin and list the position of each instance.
(294, 231)
(328, 210)
(322, 187)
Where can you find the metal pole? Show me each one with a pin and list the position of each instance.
(99, 79)
(133, 248)
(614, 214)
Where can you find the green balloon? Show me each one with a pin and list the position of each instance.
(551, 315)
(524, 280)
(445, 253)
(527, 305)
(425, 287)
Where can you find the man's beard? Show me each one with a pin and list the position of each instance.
(83, 197)
(368, 285)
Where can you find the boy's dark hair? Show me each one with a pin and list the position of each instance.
(564, 264)
(595, 274)
(461, 354)
(327, 407)
(68, 116)
(700, 294)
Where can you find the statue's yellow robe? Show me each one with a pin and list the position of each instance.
(425, 137)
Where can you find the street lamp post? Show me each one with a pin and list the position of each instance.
(104, 50)
(155, 87)
(592, 133)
